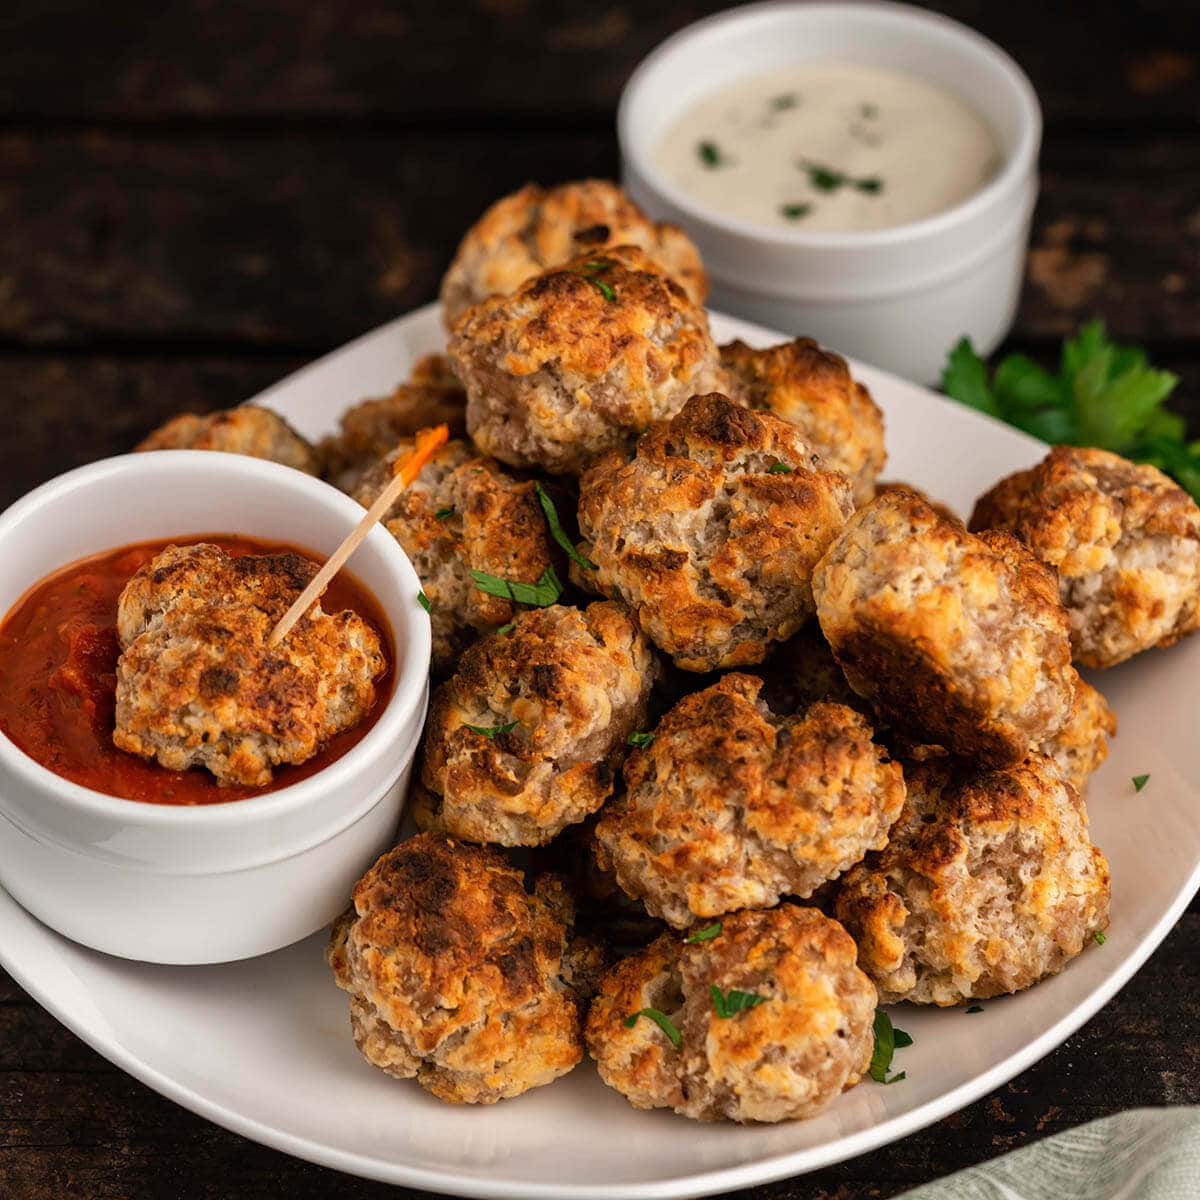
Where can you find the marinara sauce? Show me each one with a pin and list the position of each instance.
(58, 682)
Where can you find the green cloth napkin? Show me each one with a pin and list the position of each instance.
(1143, 1154)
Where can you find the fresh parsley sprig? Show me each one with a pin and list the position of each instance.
(640, 740)
(558, 533)
(1104, 394)
(888, 1039)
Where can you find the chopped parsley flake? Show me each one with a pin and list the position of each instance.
(784, 101)
(423, 601)
(557, 532)
(505, 629)
(1100, 938)
(793, 212)
(443, 513)
(541, 594)
(490, 731)
(730, 1003)
(706, 934)
(710, 154)
(640, 740)
(870, 111)
(661, 1020)
(888, 1040)
(1140, 781)
(779, 468)
(826, 179)
(593, 268)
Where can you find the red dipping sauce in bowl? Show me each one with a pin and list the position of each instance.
(58, 661)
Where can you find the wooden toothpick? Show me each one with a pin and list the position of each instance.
(427, 443)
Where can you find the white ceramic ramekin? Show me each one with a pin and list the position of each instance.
(899, 297)
(225, 881)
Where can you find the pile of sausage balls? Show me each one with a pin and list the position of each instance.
(731, 742)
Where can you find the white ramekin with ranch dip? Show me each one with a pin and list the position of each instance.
(863, 173)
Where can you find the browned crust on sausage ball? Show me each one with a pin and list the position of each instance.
(1124, 539)
(371, 429)
(988, 884)
(813, 389)
(197, 684)
(731, 807)
(464, 513)
(580, 359)
(787, 1057)
(711, 532)
(248, 429)
(457, 975)
(956, 639)
(576, 682)
(537, 229)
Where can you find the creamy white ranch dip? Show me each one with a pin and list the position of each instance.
(830, 146)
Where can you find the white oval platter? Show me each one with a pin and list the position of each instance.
(263, 1047)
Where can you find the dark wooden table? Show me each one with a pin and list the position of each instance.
(196, 198)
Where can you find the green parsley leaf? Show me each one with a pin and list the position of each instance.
(887, 1040)
(1100, 938)
(591, 269)
(824, 179)
(640, 740)
(490, 731)
(443, 513)
(706, 934)
(556, 530)
(827, 179)
(793, 212)
(784, 101)
(779, 468)
(733, 1002)
(1104, 394)
(505, 629)
(541, 594)
(710, 154)
(423, 601)
(661, 1020)
(1140, 781)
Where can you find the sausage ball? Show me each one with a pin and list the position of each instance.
(988, 884)
(197, 684)
(580, 360)
(537, 229)
(526, 736)
(250, 430)
(1081, 745)
(371, 429)
(731, 807)
(1124, 539)
(799, 1031)
(712, 530)
(954, 639)
(464, 513)
(457, 975)
(812, 388)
